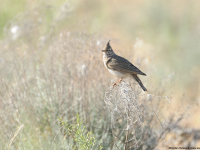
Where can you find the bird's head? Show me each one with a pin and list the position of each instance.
(108, 49)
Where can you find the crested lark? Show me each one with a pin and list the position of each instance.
(120, 67)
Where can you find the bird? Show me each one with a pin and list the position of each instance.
(120, 67)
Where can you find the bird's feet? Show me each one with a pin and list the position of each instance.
(117, 82)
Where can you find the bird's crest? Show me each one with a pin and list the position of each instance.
(108, 47)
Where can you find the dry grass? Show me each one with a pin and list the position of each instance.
(51, 65)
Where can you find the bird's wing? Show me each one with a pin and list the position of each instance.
(120, 64)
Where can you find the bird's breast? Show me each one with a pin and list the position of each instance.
(113, 72)
(117, 73)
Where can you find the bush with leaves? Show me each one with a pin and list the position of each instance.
(82, 139)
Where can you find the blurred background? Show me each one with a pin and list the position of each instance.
(51, 62)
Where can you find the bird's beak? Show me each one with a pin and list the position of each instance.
(103, 50)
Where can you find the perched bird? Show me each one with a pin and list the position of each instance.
(120, 67)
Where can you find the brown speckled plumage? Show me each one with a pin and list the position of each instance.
(120, 66)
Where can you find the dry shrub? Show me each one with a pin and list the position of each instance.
(49, 70)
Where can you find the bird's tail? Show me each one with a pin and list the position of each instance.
(139, 81)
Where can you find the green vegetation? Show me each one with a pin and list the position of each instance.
(51, 65)
(78, 134)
